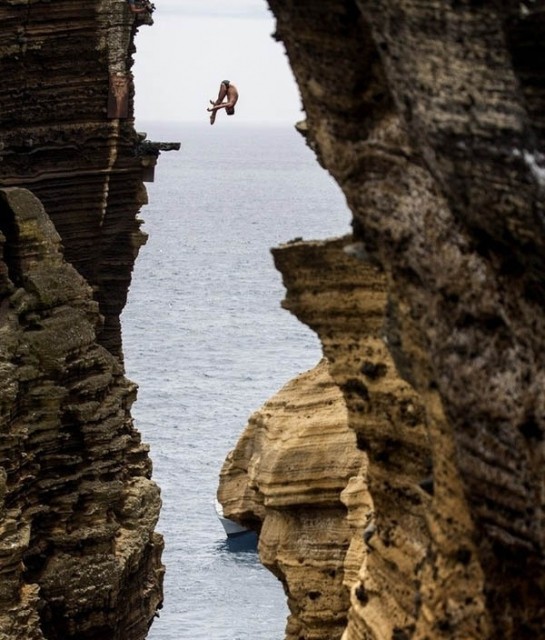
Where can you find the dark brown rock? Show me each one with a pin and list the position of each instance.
(80, 557)
(430, 117)
(78, 506)
(59, 141)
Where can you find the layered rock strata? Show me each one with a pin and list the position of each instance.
(304, 535)
(380, 507)
(430, 118)
(62, 137)
(343, 298)
(80, 558)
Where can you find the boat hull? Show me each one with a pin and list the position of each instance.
(230, 527)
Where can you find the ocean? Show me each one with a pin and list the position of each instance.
(207, 342)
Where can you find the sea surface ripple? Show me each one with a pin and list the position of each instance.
(207, 342)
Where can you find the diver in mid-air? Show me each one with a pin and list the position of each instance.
(229, 91)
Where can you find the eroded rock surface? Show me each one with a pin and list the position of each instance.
(67, 70)
(379, 507)
(430, 117)
(78, 506)
(343, 298)
(304, 534)
(78, 509)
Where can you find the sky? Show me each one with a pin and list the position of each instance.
(194, 44)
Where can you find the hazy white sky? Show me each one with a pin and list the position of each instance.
(194, 44)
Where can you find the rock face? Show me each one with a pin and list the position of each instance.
(78, 506)
(430, 117)
(79, 555)
(344, 300)
(68, 66)
(304, 534)
(355, 507)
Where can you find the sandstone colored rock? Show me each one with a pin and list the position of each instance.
(332, 287)
(304, 534)
(378, 509)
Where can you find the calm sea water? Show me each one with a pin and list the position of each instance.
(207, 342)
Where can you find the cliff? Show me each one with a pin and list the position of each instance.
(337, 456)
(430, 118)
(78, 508)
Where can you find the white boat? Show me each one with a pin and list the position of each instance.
(231, 527)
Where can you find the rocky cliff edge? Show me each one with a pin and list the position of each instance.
(79, 554)
(430, 118)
